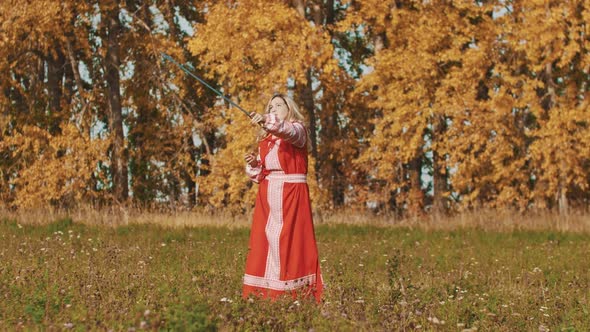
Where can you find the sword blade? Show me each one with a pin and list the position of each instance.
(190, 73)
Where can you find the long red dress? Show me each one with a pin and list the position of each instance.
(283, 255)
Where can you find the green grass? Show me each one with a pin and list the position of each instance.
(67, 275)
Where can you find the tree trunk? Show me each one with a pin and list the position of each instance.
(415, 200)
(55, 73)
(300, 7)
(379, 42)
(79, 86)
(113, 61)
(330, 15)
(439, 174)
(439, 202)
(549, 103)
(189, 173)
(317, 14)
(306, 93)
(562, 202)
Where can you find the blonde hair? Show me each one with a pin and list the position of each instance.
(293, 114)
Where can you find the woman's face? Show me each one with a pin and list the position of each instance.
(278, 107)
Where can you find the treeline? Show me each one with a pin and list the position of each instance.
(413, 106)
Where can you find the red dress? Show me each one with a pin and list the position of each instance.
(283, 255)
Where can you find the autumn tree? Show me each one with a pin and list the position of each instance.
(548, 47)
(412, 106)
(110, 85)
(253, 55)
(418, 48)
(39, 92)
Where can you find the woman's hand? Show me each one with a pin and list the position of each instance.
(257, 118)
(251, 159)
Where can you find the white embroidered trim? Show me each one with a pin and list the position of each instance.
(293, 132)
(290, 178)
(273, 228)
(271, 161)
(253, 172)
(280, 285)
(274, 224)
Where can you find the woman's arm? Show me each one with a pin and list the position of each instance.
(254, 167)
(292, 132)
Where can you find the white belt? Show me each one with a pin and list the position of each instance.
(291, 178)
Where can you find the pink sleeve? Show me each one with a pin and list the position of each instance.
(255, 173)
(292, 132)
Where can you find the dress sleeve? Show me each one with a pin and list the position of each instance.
(292, 132)
(255, 173)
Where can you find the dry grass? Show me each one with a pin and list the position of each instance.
(67, 275)
(503, 221)
(115, 216)
(486, 220)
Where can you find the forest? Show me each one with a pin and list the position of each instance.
(413, 106)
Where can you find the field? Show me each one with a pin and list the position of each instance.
(70, 275)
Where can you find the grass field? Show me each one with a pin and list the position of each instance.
(67, 275)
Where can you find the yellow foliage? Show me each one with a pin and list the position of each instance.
(253, 55)
(250, 50)
(415, 104)
(62, 169)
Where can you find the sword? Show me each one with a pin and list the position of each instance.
(190, 73)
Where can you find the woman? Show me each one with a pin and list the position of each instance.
(283, 256)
